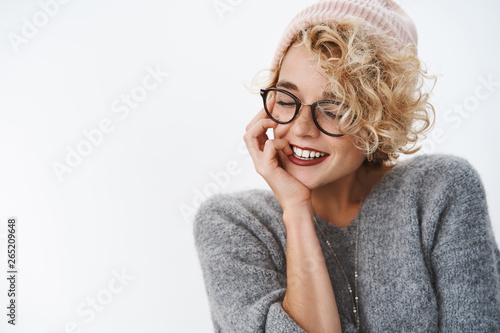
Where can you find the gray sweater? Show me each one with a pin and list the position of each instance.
(428, 259)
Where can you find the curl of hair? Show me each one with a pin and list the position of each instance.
(379, 79)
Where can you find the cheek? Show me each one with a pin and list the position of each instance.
(345, 146)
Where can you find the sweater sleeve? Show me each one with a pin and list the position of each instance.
(239, 254)
(465, 257)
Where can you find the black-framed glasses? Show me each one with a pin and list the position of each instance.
(325, 114)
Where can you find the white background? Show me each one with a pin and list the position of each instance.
(126, 206)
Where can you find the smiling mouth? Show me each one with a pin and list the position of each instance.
(307, 154)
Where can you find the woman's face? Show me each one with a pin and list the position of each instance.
(302, 76)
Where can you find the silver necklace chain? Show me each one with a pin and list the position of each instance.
(355, 308)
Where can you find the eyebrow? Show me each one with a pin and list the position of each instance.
(287, 85)
(291, 86)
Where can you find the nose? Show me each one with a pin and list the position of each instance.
(303, 124)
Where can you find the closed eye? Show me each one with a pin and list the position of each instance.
(285, 104)
(328, 103)
(333, 115)
(331, 109)
(339, 104)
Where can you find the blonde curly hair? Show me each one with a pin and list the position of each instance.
(379, 79)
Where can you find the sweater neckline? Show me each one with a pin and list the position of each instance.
(346, 230)
(373, 193)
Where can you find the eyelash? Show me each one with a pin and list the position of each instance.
(331, 115)
(293, 104)
(285, 104)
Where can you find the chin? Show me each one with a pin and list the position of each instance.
(309, 180)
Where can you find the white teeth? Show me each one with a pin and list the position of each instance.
(307, 154)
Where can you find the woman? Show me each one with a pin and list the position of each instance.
(350, 239)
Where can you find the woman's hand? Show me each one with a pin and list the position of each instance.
(267, 155)
(309, 298)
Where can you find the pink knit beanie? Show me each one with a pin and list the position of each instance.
(385, 15)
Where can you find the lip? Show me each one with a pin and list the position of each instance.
(300, 162)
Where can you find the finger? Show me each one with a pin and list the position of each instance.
(284, 146)
(257, 132)
(261, 114)
(270, 103)
(273, 147)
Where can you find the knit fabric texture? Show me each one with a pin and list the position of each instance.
(385, 15)
(428, 259)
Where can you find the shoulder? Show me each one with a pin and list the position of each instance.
(431, 179)
(242, 226)
(432, 185)
(437, 170)
(441, 163)
(249, 200)
(244, 208)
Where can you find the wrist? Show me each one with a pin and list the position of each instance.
(301, 207)
(298, 215)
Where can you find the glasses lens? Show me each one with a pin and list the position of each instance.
(284, 106)
(329, 115)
